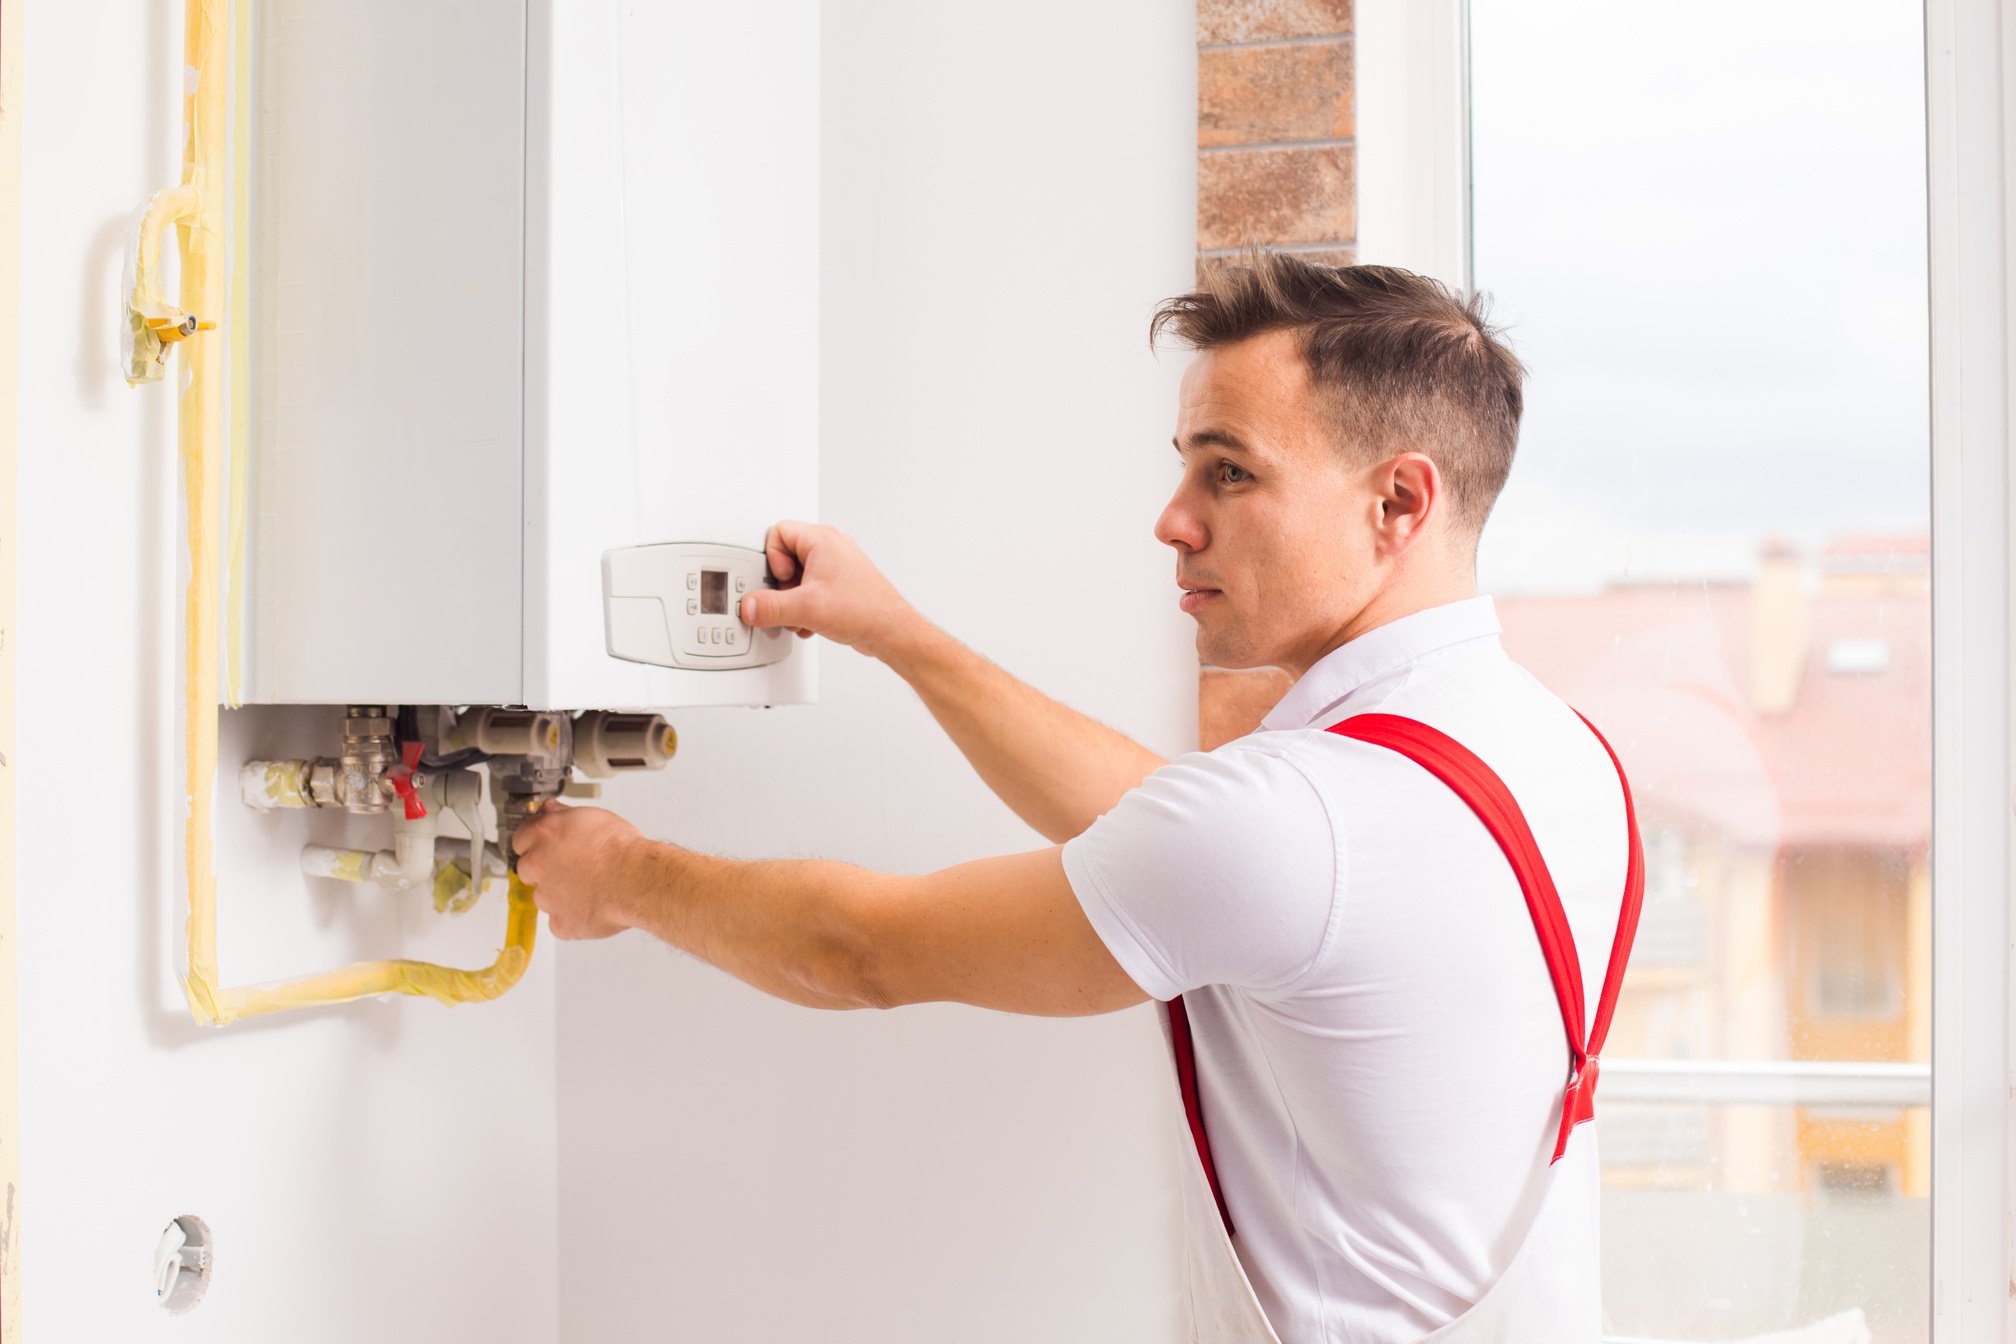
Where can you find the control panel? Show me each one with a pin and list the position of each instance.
(679, 604)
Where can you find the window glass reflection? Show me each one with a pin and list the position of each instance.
(1703, 226)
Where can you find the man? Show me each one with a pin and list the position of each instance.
(1368, 1027)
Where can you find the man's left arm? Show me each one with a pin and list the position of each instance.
(1004, 933)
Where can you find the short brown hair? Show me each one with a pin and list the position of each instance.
(1409, 365)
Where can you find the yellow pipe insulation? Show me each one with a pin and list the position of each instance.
(240, 438)
(199, 208)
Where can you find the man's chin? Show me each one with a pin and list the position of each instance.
(1231, 655)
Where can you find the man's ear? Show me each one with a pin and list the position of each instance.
(1410, 500)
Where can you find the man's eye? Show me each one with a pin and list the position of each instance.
(1233, 475)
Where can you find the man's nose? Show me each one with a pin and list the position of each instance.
(1179, 526)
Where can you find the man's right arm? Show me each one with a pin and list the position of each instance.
(1056, 768)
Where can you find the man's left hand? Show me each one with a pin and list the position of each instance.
(584, 865)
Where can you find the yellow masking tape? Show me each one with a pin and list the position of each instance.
(353, 865)
(146, 305)
(206, 29)
(241, 348)
(454, 893)
(285, 784)
(444, 984)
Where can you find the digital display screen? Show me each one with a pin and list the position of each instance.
(714, 592)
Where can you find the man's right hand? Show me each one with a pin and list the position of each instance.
(1056, 768)
(826, 585)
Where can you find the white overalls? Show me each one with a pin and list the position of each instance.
(1548, 1290)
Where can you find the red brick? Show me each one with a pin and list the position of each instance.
(1221, 21)
(1259, 95)
(1230, 704)
(1274, 196)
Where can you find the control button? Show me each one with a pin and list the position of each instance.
(714, 634)
(741, 584)
(692, 606)
(693, 581)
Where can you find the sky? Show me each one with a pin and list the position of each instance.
(1703, 226)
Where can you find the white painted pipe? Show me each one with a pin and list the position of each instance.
(382, 866)
(385, 868)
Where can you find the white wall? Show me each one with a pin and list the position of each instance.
(1008, 189)
(380, 1171)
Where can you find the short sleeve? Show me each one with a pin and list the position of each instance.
(1220, 869)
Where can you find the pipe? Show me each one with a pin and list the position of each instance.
(450, 849)
(446, 870)
(148, 312)
(240, 346)
(408, 864)
(205, 36)
(444, 984)
(454, 889)
(419, 855)
(265, 785)
(207, 28)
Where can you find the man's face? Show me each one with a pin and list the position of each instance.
(1271, 523)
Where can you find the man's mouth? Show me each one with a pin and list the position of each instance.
(1193, 598)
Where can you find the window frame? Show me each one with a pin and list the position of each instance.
(1969, 45)
(1412, 73)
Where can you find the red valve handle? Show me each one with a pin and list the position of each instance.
(402, 782)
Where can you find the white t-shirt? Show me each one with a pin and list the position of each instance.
(1379, 1049)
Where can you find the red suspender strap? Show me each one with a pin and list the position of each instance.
(1486, 795)
(1193, 1105)
(1627, 919)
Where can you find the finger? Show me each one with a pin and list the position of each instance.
(560, 924)
(777, 557)
(775, 606)
(529, 832)
(782, 547)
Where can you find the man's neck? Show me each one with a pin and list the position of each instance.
(1397, 600)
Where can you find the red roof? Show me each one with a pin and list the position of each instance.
(1665, 670)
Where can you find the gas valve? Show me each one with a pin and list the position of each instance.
(359, 780)
(531, 756)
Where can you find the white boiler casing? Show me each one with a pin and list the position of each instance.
(529, 282)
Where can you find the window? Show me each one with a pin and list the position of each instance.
(1712, 255)
(1413, 90)
(1673, 926)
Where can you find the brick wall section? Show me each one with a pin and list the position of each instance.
(1276, 166)
(1275, 161)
